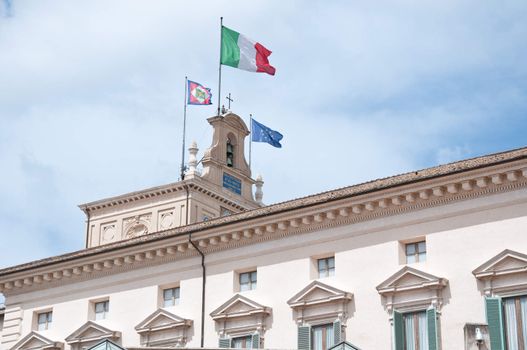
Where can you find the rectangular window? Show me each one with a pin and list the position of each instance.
(241, 342)
(415, 252)
(515, 322)
(247, 281)
(326, 267)
(170, 297)
(101, 310)
(415, 331)
(44, 321)
(322, 337)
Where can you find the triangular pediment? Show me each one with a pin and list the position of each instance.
(344, 345)
(506, 262)
(106, 345)
(92, 331)
(162, 319)
(35, 340)
(409, 278)
(317, 292)
(239, 305)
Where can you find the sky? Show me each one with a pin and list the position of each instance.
(91, 97)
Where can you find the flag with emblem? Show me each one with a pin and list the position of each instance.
(262, 133)
(198, 94)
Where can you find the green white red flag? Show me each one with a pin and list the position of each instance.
(239, 51)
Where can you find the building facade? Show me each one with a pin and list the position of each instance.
(432, 259)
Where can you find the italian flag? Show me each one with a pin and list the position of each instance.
(239, 51)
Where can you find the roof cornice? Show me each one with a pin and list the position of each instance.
(164, 190)
(347, 206)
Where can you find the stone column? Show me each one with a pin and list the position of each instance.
(258, 195)
(192, 161)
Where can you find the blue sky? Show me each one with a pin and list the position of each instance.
(91, 97)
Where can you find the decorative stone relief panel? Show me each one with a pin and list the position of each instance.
(108, 232)
(166, 219)
(137, 225)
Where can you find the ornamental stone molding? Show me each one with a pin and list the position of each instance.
(400, 194)
(504, 274)
(34, 341)
(163, 328)
(240, 315)
(410, 289)
(319, 302)
(89, 334)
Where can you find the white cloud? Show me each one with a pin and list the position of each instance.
(91, 97)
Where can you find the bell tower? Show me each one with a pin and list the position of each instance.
(223, 187)
(224, 163)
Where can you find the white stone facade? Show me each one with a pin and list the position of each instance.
(472, 216)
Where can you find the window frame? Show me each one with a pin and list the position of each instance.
(324, 327)
(417, 252)
(415, 315)
(48, 320)
(174, 299)
(329, 271)
(247, 339)
(105, 311)
(518, 316)
(251, 284)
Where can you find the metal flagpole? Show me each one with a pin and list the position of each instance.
(219, 78)
(250, 138)
(184, 127)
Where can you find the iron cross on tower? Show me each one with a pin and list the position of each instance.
(230, 100)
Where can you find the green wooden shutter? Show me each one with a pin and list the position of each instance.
(433, 341)
(304, 338)
(337, 332)
(255, 341)
(398, 331)
(495, 322)
(225, 343)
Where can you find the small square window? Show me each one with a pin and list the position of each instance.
(101, 310)
(44, 320)
(170, 297)
(415, 252)
(326, 267)
(247, 281)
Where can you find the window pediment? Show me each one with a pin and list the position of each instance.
(319, 303)
(504, 274)
(240, 316)
(505, 263)
(239, 306)
(91, 331)
(35, 340)
(163, 328)
(317, 293)
(410, 279)
(160, 320)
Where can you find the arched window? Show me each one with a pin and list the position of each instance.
(230, 153)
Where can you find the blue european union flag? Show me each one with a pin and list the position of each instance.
(261, 133)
